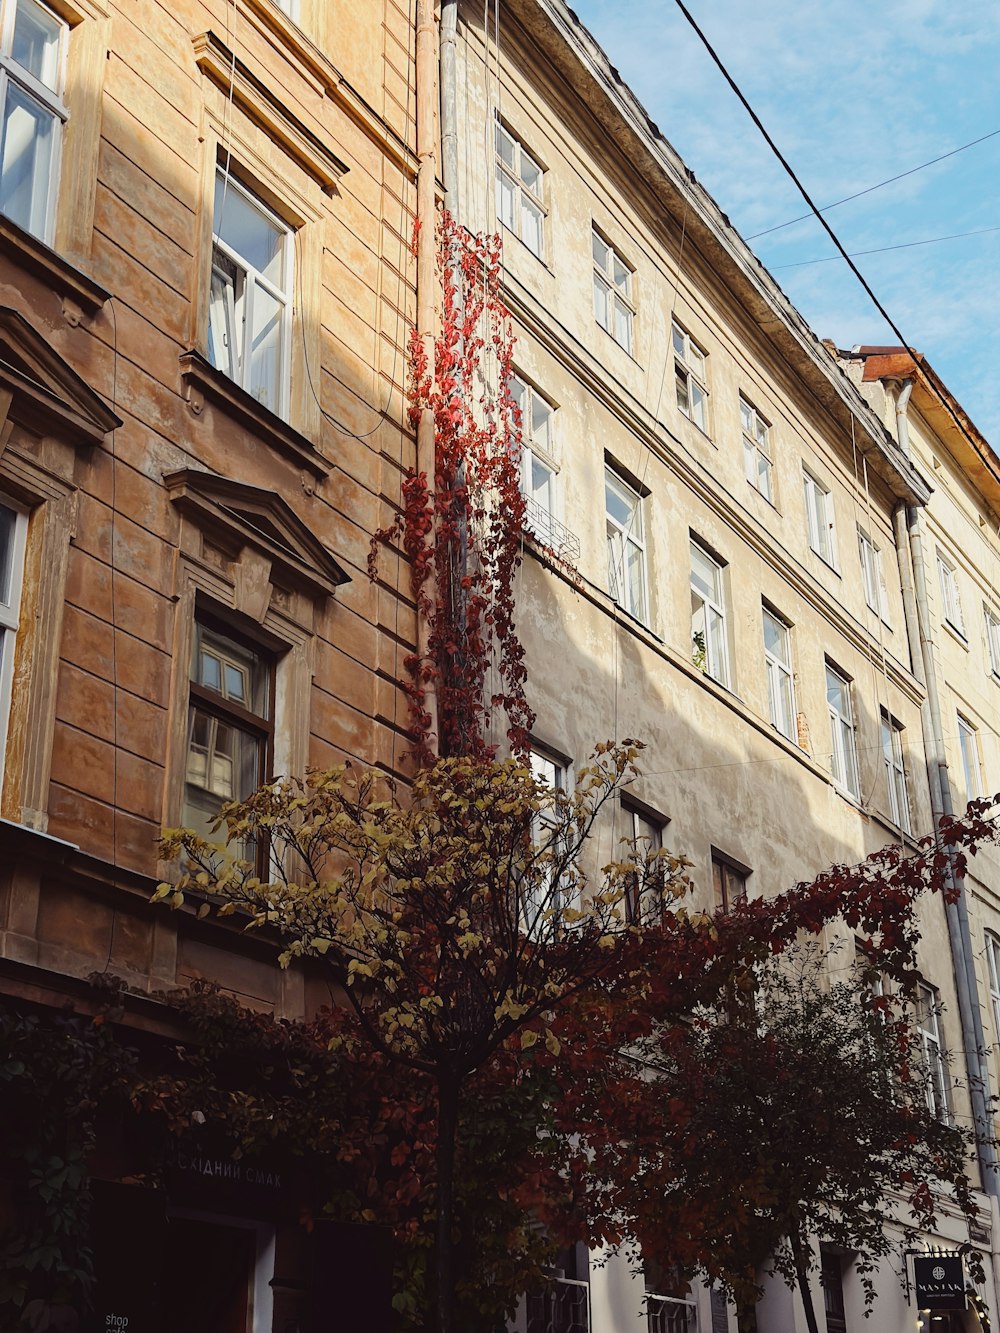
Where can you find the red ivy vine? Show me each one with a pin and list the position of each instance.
(463, 536)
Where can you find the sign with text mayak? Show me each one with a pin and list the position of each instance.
(939, 1282)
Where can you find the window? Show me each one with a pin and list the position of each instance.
(32, 65)
(819, 518)
(229, 725)
(968, 744)
(709, 651)
(873, 575)
(778, 665)
(756, 449)
(289, 7)
(928, 1011)
(993, 640)
(843, 745)
(626, 545)
(832, 1278)
(543, 896)
(950, 603)
(729, 882)
(993, 964)
(250, 304)
(689, 374)
(643, 903)
(613, 307)
(13, 526)
(228, 1265)
(895, 772)
(538, 475)
(520, 201)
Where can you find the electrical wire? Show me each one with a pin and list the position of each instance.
(942, 399)
(871, 188)
(884, 249)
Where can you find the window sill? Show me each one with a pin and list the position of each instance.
(957, 634)
(52, 268)
(820, 556)
(620, 347)
(208, 382)
(702, 431)
(506, 231)
(771, 505)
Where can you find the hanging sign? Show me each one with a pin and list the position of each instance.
(939, 1282)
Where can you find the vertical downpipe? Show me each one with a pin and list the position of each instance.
(427, 94)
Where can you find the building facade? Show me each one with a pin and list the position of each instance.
(205, 289)
(728, 494)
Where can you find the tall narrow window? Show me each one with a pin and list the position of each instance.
(32, 114)
(950, 602)
(13, 525)
(543, 896)
(690, 377)
(843, 744)
(993, 640)
(626, 545)
(873, 575)
(832, 1277)
(613, 306)
(643, 903)
(520, 199)
(778, 665)
(709, 650)
(229, 725)
(819, 518)
(993, 964)
(928, 1011)
(250, 304)
(968, 744)
(895, 771)
(729, 883)
(756, 449)
(538, 475)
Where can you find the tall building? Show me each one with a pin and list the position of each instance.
(728, 499)
(205, 291)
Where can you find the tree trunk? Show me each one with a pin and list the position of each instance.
(444, 1268)
(802, 1273)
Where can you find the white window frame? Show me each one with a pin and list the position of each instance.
(523, 195)
(968, 748)
(48, 99)
(715, 663)
(843, 738)
(623, 540)
(691, 386)
(758, 465)
(992, 640)
(289, 7)
(536, 454)
(873, 575)
(618, 298)
(820, 518)
(927, 1008)
(10, 612)
(230, 307)
(951, 602)
(551, 771)
(895, 771)
(780, 676)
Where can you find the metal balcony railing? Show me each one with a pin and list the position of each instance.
(669, 1314)
(550, 532)
(562, 1306)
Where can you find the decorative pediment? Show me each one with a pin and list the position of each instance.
(240, 515)
(46, 395)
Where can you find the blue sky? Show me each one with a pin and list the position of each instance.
(852, 93)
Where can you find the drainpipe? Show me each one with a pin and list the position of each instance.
(957, 913)
(426, 124)
(449, 103)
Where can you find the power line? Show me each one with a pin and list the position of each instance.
(868, 190)
(945, 403)
(883, 249)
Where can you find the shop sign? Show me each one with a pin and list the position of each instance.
(939, 1282)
